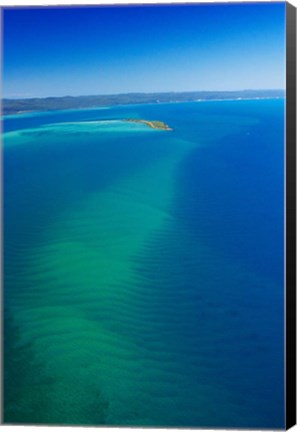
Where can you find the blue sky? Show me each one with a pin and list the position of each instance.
(106, 50)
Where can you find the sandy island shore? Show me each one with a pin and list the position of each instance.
(154, 124)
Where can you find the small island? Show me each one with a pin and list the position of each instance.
(154, 124)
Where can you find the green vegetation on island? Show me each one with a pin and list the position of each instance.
(154, 124)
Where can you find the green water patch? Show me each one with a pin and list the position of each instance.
(46, 174)
(69, 131)
(79, 304)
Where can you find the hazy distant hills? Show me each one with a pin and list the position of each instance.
(13, 106)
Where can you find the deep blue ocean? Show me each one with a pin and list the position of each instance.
(144, 269)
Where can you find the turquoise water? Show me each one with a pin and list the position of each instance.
(144, 268)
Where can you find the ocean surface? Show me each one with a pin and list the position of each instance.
(144, 268)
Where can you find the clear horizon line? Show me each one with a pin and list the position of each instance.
(143, 93)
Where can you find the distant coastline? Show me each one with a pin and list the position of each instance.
(240, 99)
(21, 106)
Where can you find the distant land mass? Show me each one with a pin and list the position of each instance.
(17, 106)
